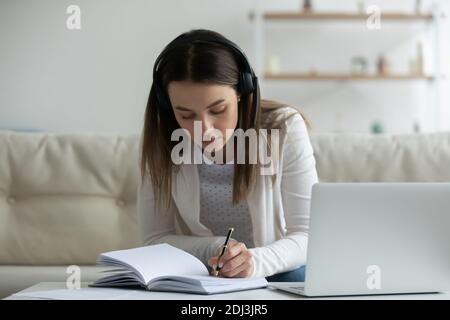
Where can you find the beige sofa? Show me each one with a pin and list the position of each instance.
(64, 198)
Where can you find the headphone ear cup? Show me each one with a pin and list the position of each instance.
(246, 85)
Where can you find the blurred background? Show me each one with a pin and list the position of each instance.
(345, 66)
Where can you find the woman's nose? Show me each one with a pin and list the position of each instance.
(207, 124)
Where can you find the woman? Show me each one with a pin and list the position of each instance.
(203, 78)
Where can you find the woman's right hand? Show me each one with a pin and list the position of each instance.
(236, 262)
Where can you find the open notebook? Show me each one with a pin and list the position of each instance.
(163, 267)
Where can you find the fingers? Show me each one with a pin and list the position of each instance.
(246, 273)
(231, 243)
(240, 264)
(235, 262)
(232, 251)
(213, 261)
(243, 271)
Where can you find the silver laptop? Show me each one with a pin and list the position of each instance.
(377, 238)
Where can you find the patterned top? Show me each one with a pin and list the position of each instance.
(217, 211)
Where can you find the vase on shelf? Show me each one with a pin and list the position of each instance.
(358, 66)
(418, 6)
(273, 65)
(416, 127)
(361, 7)
(416, 65)
(419, 60)
(307, 6)
(382, 65)
(377, 127)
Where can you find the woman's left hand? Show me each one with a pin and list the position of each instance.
(236, 262)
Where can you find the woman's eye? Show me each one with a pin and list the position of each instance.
(221, 110)
(187, 117)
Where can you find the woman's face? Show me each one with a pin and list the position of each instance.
(216, 106)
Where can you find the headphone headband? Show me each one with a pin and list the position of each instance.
(248, 82)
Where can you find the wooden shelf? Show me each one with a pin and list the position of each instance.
(394, 16)
(343, 77)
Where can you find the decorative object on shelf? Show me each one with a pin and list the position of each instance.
(307, 6)
(273, 65)
(377, 127)
(418, 6)
(361, 7)
(412, 67)
(358, 66)
(382, 65)
(416, 64)
(416, 127)
(313, 71)
(419, 58)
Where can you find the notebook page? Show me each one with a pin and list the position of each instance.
(206, 284)
(214, 285)
(159, 260)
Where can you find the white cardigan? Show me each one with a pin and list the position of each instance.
(280, 214)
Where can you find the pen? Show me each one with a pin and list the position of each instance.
(230, 230)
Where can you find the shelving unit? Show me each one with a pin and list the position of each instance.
(329, 17)
(343, 77)
(393, 16)
(260, 19)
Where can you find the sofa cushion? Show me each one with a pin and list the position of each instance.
(65, 198)
(377, 158)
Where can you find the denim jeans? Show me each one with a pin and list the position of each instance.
(296, 275)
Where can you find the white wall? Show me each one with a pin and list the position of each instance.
(97, 79)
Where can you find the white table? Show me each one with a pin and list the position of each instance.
(256, 294)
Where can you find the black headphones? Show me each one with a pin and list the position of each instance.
(248, 82)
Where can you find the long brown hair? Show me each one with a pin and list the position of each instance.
(210, 63)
